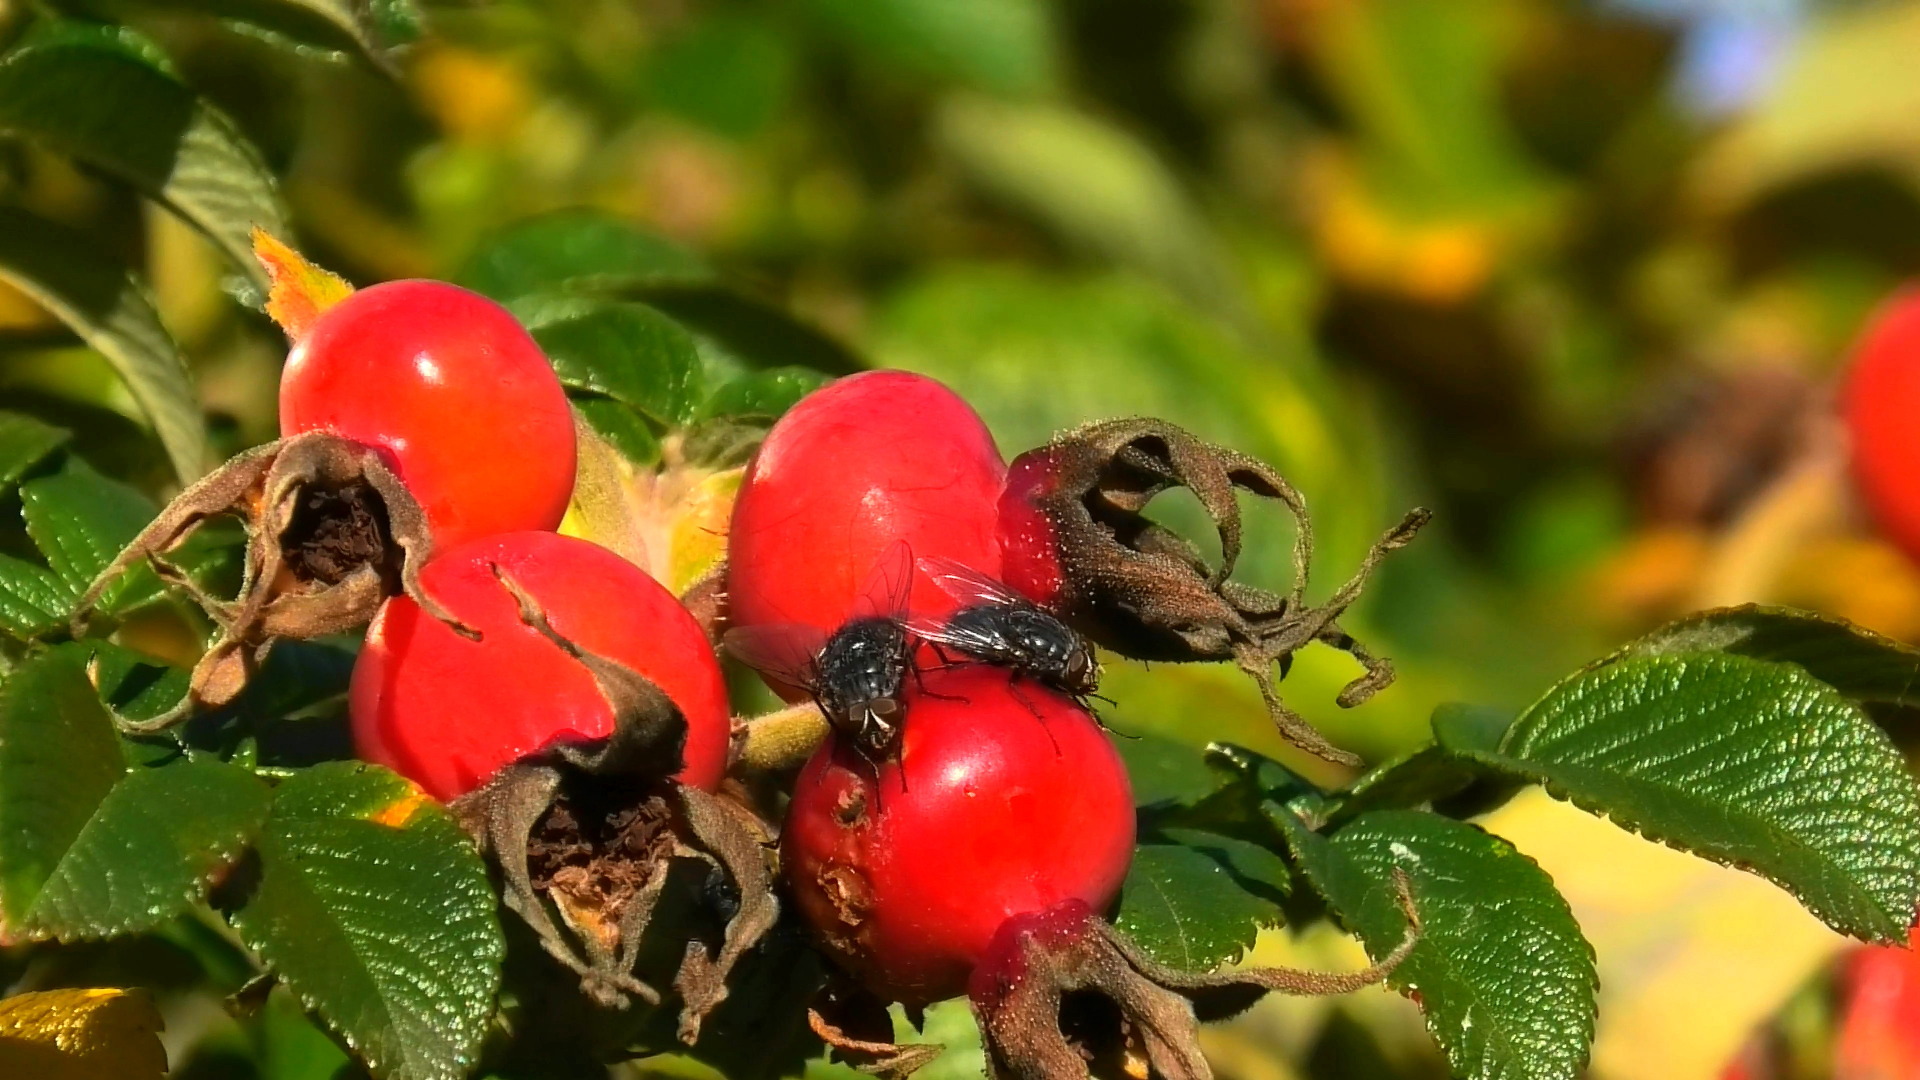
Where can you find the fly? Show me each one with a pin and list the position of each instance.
(855, 674)
(996, 625)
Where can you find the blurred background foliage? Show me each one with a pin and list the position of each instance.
(1578, 274)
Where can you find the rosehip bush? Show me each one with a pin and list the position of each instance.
(410, 735)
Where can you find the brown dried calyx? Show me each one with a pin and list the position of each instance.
(1061, 994)
(586, 832)
(857, 1030)
(1144, 591)
(331, 532)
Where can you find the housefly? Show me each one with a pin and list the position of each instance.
(856, 673)
(996, 625)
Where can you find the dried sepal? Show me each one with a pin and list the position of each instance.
(857, 1030)
(1062, 994)
(616, 820)
(1146, 592)
(331, 532)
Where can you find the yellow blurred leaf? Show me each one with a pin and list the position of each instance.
(1847, 97)
(298, 291)
(670, 521)
(81, 1035)
(1692, 955)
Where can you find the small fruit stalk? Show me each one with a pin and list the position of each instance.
(1075, 539)
(580, 740)
(412, 413)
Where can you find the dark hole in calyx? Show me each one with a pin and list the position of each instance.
(335, 531)
(1099, 1031)
(599, 844)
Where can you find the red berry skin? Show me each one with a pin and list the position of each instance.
(452, 389)
(1879, 1030)
(1029, 547)
(447, 712)
(872, 459)
(1880, 402)
(1013, 801)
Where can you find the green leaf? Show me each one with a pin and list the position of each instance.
(111, 310)
(577, 251)
(150, 848)
(1164, 771)
(93, 847)
(24, 443)
(1749, 763)
(1857, 662)
(59, 758)
(90, 93)
(1503, 974)
(33, 600)
(626, 351)
(761, 394)
(81, 520)
(1005, 46)
(336, 27)
(375, 910)
(737, 333)
(1404, 783)
(621, 426)
(1195, 900)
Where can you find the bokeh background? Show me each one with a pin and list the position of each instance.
(1580, 276)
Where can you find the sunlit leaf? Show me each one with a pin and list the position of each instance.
(102, 1034)
(90, 92)
(113, 312)
(1196, 900)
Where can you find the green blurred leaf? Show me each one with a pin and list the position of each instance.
(33, 600)
(81, 520)
(626, 351)
(1096, 185)
(1006, 46)
(621, 426)
(731, 72)
(1463, 728)
(576, 251)
(1503, 974)
(1196, 900)
(86, 91)
(59, 759)
(375, 910)
(1752, 764)
(367, 28)
(1859, 663)
(24, 443)
(1164, 771)
(111, 310)
(761, 394)
(149, 849)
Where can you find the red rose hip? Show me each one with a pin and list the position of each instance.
(447, 712)
(1881, 404)
(1006, 799)
(453, 391)
(871, 460)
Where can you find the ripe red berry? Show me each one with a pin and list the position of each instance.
(873, 459)
(455, 393)
(1006, 799)
(447, 712)
(1880, 402)
(1029, 543)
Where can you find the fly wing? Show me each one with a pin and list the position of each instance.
(968, 637)
(967, 585)
(787, 652)
(888, 585)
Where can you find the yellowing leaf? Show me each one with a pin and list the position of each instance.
(669, 520)
(298, 291)
(81, 1035)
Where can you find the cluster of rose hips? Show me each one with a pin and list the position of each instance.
(961, 819)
